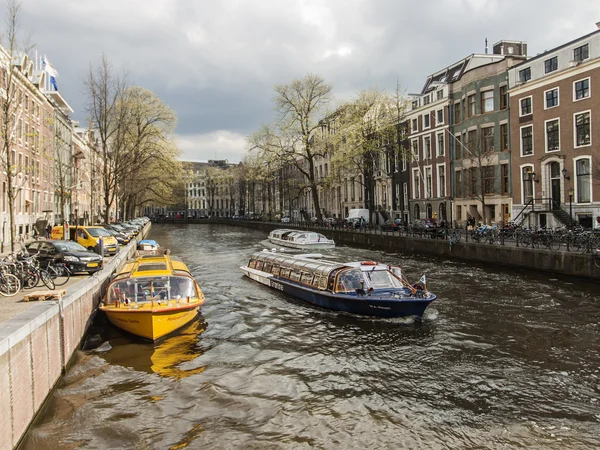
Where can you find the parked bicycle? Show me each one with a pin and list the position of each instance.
(59, 272)
(29, 271)
(9, 283)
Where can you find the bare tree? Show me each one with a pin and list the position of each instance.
(480, 172)
(148, 152)
(106, 94)
(368, 128)
(13, 57)
(299, 106)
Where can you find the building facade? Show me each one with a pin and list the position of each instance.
(554, 102)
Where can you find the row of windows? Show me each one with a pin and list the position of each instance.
(582, 182)
(468, 181)
(438, 116)
(427, 147)
(473, 142)
(581, 90)
(580, 53)
(23, 204)
(426, 99)
(581, 127)
(467, 107)
(428, 182)
(309, 278)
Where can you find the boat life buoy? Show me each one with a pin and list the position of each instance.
(368, 263)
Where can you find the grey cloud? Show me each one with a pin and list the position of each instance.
(216, 63)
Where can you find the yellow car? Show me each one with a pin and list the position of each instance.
(89, 237)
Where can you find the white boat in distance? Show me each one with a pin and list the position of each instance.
(300, 239)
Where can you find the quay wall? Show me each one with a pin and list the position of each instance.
(37, 345)
(559, 262)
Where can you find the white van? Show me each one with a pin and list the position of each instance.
(354, 216)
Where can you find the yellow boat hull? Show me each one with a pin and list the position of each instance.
(151, 322)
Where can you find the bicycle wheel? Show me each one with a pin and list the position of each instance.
(59, 274)
(9, 284)
(553, 243)
(30, 280)
(47, 279)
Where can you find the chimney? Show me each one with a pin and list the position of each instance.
(598, 24)
(486, 47)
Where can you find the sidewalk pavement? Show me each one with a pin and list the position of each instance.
(15, 305)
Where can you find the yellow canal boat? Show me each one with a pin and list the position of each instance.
(152, 296)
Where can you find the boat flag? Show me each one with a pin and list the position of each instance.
(423, 280)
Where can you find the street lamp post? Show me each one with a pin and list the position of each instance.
(571, 208)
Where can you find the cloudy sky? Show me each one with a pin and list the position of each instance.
(216, 62)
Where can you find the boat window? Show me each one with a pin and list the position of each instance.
(285, 273)
(323, 282)
(151, 267)
(315, 281)
(378, 279)
(295, 276)
(307, 278)
(144, 289)
(275, 270)
(349, 280)
(259, 265)
(268, 266)
(252, 263)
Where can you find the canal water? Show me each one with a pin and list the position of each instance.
(503, 359)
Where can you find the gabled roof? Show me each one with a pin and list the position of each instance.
(455, 71)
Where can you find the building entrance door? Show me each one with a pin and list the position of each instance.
(555, 185)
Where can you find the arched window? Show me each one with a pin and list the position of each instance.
(442, 211)
(429, 211)
(417, 212)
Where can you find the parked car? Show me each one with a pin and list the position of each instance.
(119, 229)
(89, 237)
(391, 225)
(121, 238)
(76, 257)
(286, 219)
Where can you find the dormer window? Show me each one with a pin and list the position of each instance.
(550, 65)
(525, 74)
(581, 53)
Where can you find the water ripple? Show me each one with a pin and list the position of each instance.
(503, 359)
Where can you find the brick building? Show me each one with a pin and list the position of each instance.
(554, 102)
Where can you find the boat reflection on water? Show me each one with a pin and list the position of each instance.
(167, 357)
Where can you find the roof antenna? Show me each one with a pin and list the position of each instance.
(486, 48)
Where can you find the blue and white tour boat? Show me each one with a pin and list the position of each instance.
(363, 287)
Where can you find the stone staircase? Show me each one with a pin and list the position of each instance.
(562, 216)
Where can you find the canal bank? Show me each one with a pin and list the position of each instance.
(559, 262)
(36, 347)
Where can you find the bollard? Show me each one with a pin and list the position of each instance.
(101, 246)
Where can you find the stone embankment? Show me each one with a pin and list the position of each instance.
(37, 344)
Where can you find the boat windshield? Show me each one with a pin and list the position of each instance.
(349, 280)
(144, 289)
(381, 279)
